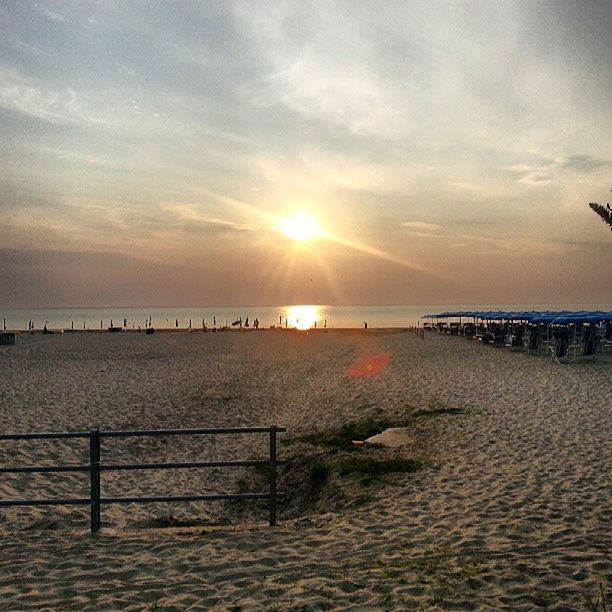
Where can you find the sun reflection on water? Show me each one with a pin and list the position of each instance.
(305, 316)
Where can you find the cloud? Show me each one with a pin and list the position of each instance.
(466, 186)
(191, 214)
(23, 95)
(552, 170)
(583, 163)
(172, 131)
(28, 96)
(421, 225)
(536, 178)
(50, 14)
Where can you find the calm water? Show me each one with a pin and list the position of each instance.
(301, 316)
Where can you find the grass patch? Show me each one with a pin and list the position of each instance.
(319, 473)
(374, 466)
(600, 604)
(434, 412)
(342, 437)
(336, 473)
(169, 521)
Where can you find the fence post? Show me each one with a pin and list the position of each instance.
(94, 478)
(272, 475)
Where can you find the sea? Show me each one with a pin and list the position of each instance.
(300, 316)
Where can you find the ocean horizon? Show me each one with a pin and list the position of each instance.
(302, 316)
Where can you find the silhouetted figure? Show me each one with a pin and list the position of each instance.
(176, 323)
(246, 322)
(125, 322)
(4, 324)
(256, 323)
(365, 325)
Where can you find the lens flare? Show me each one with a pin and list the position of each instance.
(370, 366)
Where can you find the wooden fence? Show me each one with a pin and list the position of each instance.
(95, 467)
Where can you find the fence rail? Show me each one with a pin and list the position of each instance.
(95, 467)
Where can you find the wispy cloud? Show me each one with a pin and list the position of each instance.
(422, 226)
(192, 213)
(583, 163)
(21, 94)
(551, 170)
(49, 13)
(464, 185)
(417, 128)
(26, 95)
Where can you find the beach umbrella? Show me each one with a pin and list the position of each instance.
(545, 317)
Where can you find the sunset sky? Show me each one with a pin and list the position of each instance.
(154, 154)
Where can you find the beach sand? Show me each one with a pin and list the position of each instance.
(510, 510)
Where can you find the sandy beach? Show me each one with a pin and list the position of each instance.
(510, 508)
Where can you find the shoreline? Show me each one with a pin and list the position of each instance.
(193, 330)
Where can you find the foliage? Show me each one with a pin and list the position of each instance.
(605, 212)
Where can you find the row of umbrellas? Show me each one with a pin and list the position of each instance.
(560, 317)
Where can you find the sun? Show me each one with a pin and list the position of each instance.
(301, 227)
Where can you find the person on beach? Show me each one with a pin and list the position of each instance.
(365, 325)
(256, 323)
